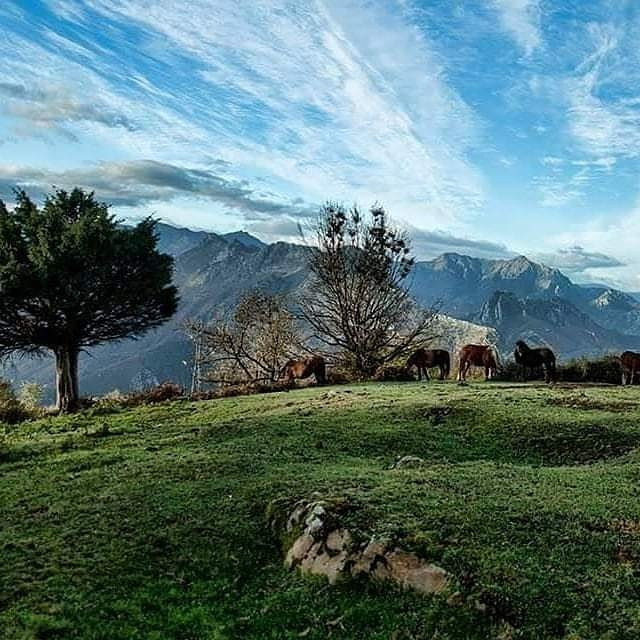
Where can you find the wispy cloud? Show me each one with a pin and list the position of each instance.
(309, 95)
(604, 116)
(521, 20)
(54, 106)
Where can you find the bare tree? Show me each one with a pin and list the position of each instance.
(252, 344)
(358, 300)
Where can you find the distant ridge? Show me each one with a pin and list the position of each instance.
(245, 239)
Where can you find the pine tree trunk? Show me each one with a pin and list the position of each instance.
(66, 379)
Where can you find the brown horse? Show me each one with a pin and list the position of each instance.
(630, 364)
(529, 358)
(424, 359)
(304, 368)
(478, 355)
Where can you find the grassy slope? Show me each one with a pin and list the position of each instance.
(149, 523)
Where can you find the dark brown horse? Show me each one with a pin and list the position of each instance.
(630, 364)
(529, 358)
(478, 355)
(424, 359)
(304, 368)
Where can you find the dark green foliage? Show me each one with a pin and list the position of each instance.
(606, 370)
(71, 277)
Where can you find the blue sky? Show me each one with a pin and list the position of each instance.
(488, 127)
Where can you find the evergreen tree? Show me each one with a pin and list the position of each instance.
(72, 277)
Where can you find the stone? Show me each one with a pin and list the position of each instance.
(333, 567)
(408, 462)
(366, 561)
(338, 540)
(299, 549)
(411, 572)
(297, 515)
(323, 548)
(309, 559)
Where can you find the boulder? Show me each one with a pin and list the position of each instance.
(322, 547)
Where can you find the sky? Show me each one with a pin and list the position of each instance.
(487, 127)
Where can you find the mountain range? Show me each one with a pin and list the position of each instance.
(514, 298)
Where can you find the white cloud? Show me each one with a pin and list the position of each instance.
(521, 20)
(333, 98)
(617, 238)
(602, 117)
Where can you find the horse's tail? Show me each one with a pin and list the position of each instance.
(321, 371)
(496, 356)
(447, 364)
(462, 361)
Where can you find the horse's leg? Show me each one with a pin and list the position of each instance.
(426, 374)
(441, 372)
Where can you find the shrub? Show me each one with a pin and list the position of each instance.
(153, 395)
(393, 373)
(598, 370)
(604, 370)
(160, 393)
(338, 376)
(30, 396)
(11, 409)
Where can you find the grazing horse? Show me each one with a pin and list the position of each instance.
(630, 364)
(529, 358)
(424, 359)
(478, 355)
(299, 369)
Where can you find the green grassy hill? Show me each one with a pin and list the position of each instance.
(149, 523)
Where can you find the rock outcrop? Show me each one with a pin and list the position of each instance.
(316, 543)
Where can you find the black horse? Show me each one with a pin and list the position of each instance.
(529, 358)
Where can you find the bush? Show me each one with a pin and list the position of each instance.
(160, 393)
(393, 373)
(11, 409)
(604, 370)
(338, 376)
(153, 395)
(30, 396)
